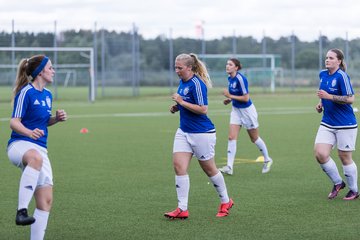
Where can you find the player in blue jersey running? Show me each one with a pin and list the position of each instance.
(195, 136)
(243, 114)
(27, 147)
(338, 125)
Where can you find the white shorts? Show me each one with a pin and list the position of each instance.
(245, 117)
(345, 139)
(16, 151)
(202, 145)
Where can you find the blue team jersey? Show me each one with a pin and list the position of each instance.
(238, 86)
(34, 109)
(337, 115)
(194, 91)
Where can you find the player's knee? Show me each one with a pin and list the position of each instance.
(231, 138)
(345, 157)
(179, 170)
(321, 156)
(45, 204)
(49, 203)
(33, 159)
(253, 139)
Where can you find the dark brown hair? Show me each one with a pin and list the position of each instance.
(340, 56)
(236, 62)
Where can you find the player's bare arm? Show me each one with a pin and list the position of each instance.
(192, 107)
(243, 98)
(346, 99)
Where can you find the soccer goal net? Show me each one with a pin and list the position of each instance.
(260, 69)
(74, 69)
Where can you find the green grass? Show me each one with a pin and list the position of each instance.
(116, 181)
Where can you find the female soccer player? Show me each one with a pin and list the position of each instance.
(27, 147)
(243, 114)
(196, 134)
(338, 125)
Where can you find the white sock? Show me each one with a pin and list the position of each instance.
(351, 174)
(39, 226)
(263, 149)
(231, 152)
(332, 171)
(28, 182)
(219, 184)
(182, 190)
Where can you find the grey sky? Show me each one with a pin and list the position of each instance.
(274, 18)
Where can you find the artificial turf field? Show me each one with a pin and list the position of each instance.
(117, 180)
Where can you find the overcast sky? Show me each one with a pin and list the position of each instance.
(274, 18)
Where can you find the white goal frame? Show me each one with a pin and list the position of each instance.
(248, 56)
(63, 49)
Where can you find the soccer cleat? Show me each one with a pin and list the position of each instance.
(22, 218)
(177, 214)
(227, 170)
(351, 195)
(224, 208)
(267, 166)
(336, 189)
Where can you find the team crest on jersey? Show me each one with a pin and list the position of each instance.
(186, 91)
(234, 85)
(48, 102)
(333, 83)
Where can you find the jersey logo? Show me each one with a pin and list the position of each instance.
(333, 83)
(43, 103)
(36, 102)
(48, 101)
(186, 91)
(234, 85)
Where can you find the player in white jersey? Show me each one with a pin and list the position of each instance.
(195, 136)
(27, 147)
(243, 114)
(338, 125)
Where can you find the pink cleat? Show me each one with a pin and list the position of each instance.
(336, 189)
(177, 213)
(224, 208)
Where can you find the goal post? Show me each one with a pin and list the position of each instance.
(59, 62)
(264, 65)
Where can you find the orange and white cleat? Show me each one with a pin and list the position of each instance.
(224, 208)
(177, 214)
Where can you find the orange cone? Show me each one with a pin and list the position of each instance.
(84, 130)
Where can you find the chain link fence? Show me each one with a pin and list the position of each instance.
(126, 64)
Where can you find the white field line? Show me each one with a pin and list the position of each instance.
(268, 111)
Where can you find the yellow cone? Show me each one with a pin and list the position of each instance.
(260, 159)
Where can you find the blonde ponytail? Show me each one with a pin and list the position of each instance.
(200, 69)
(197, 66)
